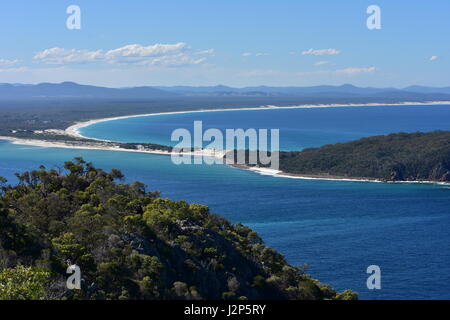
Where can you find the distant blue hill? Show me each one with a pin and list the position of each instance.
(71, 90)
(74, 90)
(422, 89)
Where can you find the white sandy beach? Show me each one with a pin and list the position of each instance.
(55, 144)
(73, 131)
(219, 154)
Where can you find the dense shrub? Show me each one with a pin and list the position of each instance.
(131, 244)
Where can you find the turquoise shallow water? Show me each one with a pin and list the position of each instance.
(338, 228)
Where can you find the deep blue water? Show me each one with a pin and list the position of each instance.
(338, 228)
(299, 128)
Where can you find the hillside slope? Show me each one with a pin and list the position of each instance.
(131, 244)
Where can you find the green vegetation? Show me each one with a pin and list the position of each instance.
(41, 114)
(21, 283)
(395, 157)
(132, 244)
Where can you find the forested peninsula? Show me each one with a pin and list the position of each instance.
(394, 157)
(132, 244)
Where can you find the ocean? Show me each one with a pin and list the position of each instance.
(299, 128)
(338, 228)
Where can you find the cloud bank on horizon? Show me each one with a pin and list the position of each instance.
(233, 43)
(165, 55)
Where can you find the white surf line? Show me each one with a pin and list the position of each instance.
(282, 174)
(74, 129)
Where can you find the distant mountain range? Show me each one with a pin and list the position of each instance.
(75, 90)
(70, 90)
(346, 90)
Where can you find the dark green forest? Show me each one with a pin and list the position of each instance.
(132, 244)
(395, 157)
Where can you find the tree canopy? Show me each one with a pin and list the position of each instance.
(399, 157)
(132, 244)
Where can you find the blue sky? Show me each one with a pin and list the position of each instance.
(233, 42)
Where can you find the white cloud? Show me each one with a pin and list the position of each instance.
(8, 63)
(261, 73)
(62, 56)
(177, 60)
(352, 71)
(259, 54)
(335, 73)
(321, 63)
(137, 53)
(168, 55)
(210, 52)
(433, 58)
(321, 52)
(13, 70)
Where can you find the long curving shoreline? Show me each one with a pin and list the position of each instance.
(73, 130)
(207, 153)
